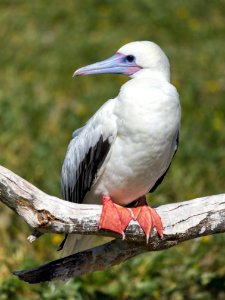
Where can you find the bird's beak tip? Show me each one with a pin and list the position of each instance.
(79, 72)
(75, 74)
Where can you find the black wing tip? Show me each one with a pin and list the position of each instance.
(60, 247)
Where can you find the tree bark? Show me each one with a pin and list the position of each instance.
(181, 221)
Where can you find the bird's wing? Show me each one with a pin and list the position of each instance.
(160, 179)
(88, 150)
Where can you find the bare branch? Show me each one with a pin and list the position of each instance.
(182, 221)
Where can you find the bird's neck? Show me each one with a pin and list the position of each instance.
(158, 75)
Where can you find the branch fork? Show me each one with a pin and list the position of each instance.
(47, 214)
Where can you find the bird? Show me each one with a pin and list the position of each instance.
(125, 149)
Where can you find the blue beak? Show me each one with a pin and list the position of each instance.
(116, 64)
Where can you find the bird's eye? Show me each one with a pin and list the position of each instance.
(130, 58)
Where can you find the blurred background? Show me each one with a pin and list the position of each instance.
(42, 43)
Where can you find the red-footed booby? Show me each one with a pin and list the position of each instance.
(124, 151)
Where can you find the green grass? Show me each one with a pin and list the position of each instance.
(42, 43)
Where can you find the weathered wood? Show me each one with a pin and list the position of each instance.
(182, 221)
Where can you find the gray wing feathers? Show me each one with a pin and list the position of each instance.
(86, 153)
(88, 150)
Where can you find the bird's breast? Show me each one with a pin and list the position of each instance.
(143, 148)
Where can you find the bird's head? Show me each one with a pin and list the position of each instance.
(131, 59)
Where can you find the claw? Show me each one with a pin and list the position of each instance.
(145, 221)
(157, 222)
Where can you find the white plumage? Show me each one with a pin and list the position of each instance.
(140, 129)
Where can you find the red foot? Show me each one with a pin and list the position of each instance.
(147, 218)
(116, 218)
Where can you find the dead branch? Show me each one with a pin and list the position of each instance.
(182, 221)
